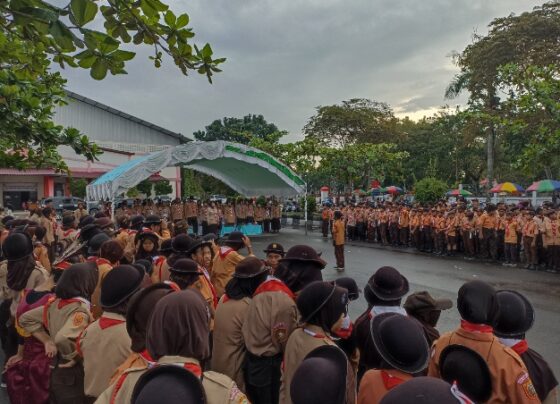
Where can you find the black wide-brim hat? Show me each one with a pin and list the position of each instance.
(235, 239)
(137, 299)
(152, 219)
(17, 246)
(88, 231)
(388, 284)
(94, 243)
(198, 243)
(304, 253)
(321, 377)
(424, 389)
(119, 284)
(250, 267)
(184, 266)
(516, 314)
(140, 236)
(400, 341)
(460, 364)
(168, 384)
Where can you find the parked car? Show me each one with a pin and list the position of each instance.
(290, 206)
(62, 203)
(218, 198)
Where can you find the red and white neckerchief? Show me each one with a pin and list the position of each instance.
(65, 302)
(460, 396)
(390, 381)
(106, 322)
(225, 251)
(191, 367)
(377, 310)
(315, 334)
(147, 357)
(481, 328)
(520, 346)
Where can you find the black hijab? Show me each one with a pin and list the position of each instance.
(238, 288)
(298, 274)
(19, 272)
(180, 326)
(322, 304)
(79, 280)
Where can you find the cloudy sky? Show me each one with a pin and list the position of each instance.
(286, 57)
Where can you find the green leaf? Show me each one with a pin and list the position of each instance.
(99, 69)
(182, 21)
(83, 11)
(122, 55)
(206, 51)
(62, 36)
(87, 62)
(148, 9)
(170, 19)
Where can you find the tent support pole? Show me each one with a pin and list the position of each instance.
(305, 214)
(113, 208)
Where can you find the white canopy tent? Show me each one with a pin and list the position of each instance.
(248, 171)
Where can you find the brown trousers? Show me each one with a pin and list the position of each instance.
(339, 254)
(468, 243)
(530, 251)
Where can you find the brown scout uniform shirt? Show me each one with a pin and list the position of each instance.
(271, 318)
(510, 380)
(191, 209)
(228, 351)
(64, 320)
(229, 215)
(103, 268)
(376, 383)
(104, 345)
(219, 388)
(42, 256)
(177, 211)
(339, 232)
(223, 268)
(299, 345)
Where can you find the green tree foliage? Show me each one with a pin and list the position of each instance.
(531, 118)
(429, 190)
(78, 187)
(163, 187)
(29, 92)
(241, 130)
(77, 33)
(354, 121)
(145, 187)
(532, 38)
(69, 33)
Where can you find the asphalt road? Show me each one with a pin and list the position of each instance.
(442, 277)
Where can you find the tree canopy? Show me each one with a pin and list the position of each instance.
(241, 130)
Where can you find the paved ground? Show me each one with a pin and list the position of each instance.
(443, 277)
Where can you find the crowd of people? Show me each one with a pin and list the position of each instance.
(206, 216)
(131, 312)
(508, 234)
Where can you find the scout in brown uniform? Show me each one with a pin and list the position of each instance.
(426, 232)
(271, 318)
(383, 293)
(80, 212)
(478, 306)
(552, 241)
(451, 225)
(178, 335)
(274, 253)
(516, 318)
(177, 211)
(275, 214)
(212, 219)
(468, 234)
(68, 233)
(510, 240)
(400, 341)
(431, 390)
(49, 224)
(58, 324)
(158, 226)
(105, 344)
(327, 386)
(191, 214)
(39, 250)
(229, 214)
(228, 351)
(404, 225)
(487, 223)
(530, 241)
(241, 212)
(323, 307)
(338, 232)
(103, 266)
(227, 258)
(427, 310)
(138, 314)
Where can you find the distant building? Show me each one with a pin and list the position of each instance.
(121, 137)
